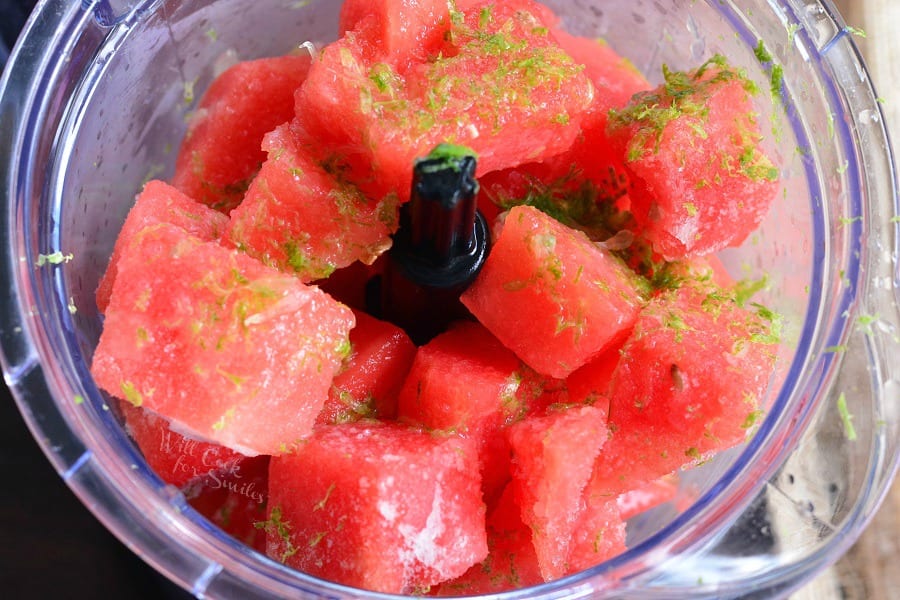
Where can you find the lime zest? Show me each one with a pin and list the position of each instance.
(752, 419)
(747, 288)
(846, 417)
(277, 526)
(865, 322)
(131, 393)
(449, 156)
(776, 71)
(321, 503)
(683, 95)
(54, 258)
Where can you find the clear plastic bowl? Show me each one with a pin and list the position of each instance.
(96, 95)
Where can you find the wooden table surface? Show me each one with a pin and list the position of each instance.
(869, 571)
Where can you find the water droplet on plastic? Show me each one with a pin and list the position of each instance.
(814, 10)
(868, 116)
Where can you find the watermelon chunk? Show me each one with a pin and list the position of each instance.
(159, 202)
(397, 29)
(371, 378)
(218, 342)
(511, 562)
(302, 217)
(552, 460)
(590, 384)
(221, 152)
(647, 496)
(177, 459)
(466, 381)
(689, 383)
(463, 381)
(614, 77)
(501, 86)
(551, 295)
(236, 502)
(599, 533)
(701, 181)
(615, 81)
(378, 506)
(592, 166)
(583, 198)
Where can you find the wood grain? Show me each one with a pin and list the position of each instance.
(869, 570)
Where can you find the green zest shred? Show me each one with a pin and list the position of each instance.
(448, 156)
(684, 96)
(56, 258)
(747, 288)
(776, 71)
(321, 503)
(752, 419)
(577, 204)
(131, 394)
(275, 525)
(846, 417)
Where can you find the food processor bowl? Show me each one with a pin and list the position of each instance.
(96, 97)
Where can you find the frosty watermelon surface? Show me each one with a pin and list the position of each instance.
(159, 202)
(605, 348)
(221, 154)
(701, 183)
(216, 341)
(406, 504)
(551, 295)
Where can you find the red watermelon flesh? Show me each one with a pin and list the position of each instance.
(484, 9)
(218, 342)
(551, 295)
(701, 181)
(159, 202)
(615, 81)
(592, 164)
(303, 217)
(552, 460)
(647, 496)
(615, 78)
(177, 459)
(500, 86)
(511, 562)
(700, 273)
(465, 381)
(592, 158)
(590, 384)
(378, 506)
(689, 383)
(382, 506)
(236, 502)
(397, 29)
(221, 153)
(599, 534)
(371, 378)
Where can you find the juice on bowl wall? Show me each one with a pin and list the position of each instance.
(237, 460)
